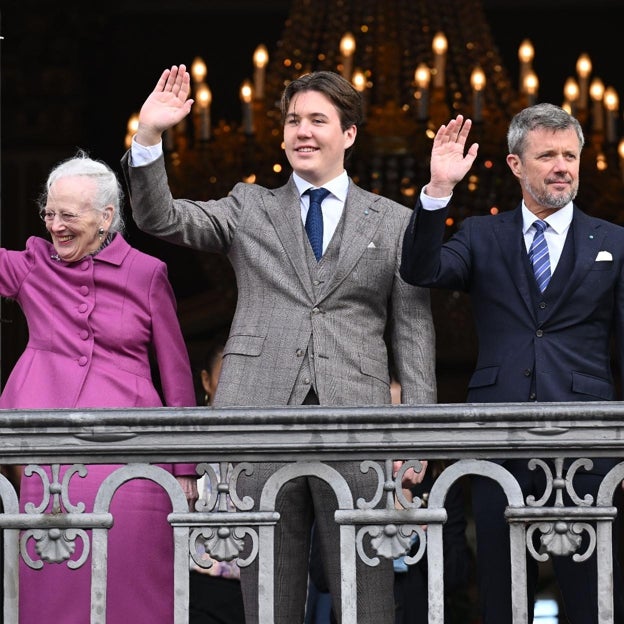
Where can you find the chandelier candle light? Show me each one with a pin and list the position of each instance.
(422, 78)
(347, 49)
(260, 60)
(439, 46)
(412, 77)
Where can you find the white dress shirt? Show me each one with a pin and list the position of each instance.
(332, 206)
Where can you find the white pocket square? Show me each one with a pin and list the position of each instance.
(371, 245)
(604, 255)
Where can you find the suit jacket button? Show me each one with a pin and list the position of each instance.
(527, 372)
(299, 352)
(542, 305)
(532, 396)
(539, 333)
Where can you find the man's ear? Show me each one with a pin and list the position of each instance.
(515, 164)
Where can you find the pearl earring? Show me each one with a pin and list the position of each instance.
(101, 233)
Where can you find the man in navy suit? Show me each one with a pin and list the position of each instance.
(542, 337)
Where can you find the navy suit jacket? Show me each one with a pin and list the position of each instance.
(554, 346)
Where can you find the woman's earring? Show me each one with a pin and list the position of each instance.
(101, 233)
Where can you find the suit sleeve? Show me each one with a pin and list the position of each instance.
(202, 225)
(427, 260)
(412, 337)
(619, 329)
(422, 242)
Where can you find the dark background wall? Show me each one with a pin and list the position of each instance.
(73, 72)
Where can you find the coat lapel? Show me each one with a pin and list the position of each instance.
(283, 210)
(362, 217)
(508, 235)
(588, 241)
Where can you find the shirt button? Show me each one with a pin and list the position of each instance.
(539, 333)
(315, 310)
(82, 360)
(299, 352)
(306, 381)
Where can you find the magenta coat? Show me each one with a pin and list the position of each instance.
(91, 326)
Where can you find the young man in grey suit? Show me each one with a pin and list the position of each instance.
(547, 302)
(309, 325)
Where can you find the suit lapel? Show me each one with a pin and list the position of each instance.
(588, 241)
(361, 220)
(508, 235)
(285, 215)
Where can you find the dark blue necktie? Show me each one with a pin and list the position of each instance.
(314, 220)
(538, 255)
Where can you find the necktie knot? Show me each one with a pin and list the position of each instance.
(538, 255)
(318, 195)
(314, 220)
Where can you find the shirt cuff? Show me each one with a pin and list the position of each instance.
(433, 203)
(141, 155)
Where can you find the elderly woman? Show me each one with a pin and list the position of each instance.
(96, 308)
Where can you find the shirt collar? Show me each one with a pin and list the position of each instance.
(338, 187)
(559, 220)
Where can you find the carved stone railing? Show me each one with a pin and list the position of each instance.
(306, 438)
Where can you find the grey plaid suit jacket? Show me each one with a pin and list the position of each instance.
(277, 312)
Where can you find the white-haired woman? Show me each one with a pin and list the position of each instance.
(96, 309)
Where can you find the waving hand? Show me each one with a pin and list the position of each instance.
(450, 161)
(165, 106)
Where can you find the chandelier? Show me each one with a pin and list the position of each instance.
(417, 63)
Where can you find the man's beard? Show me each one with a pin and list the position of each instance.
(551, 200)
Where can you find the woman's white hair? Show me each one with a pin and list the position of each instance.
(108, 193)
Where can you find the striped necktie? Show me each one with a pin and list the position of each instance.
(538, 255)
